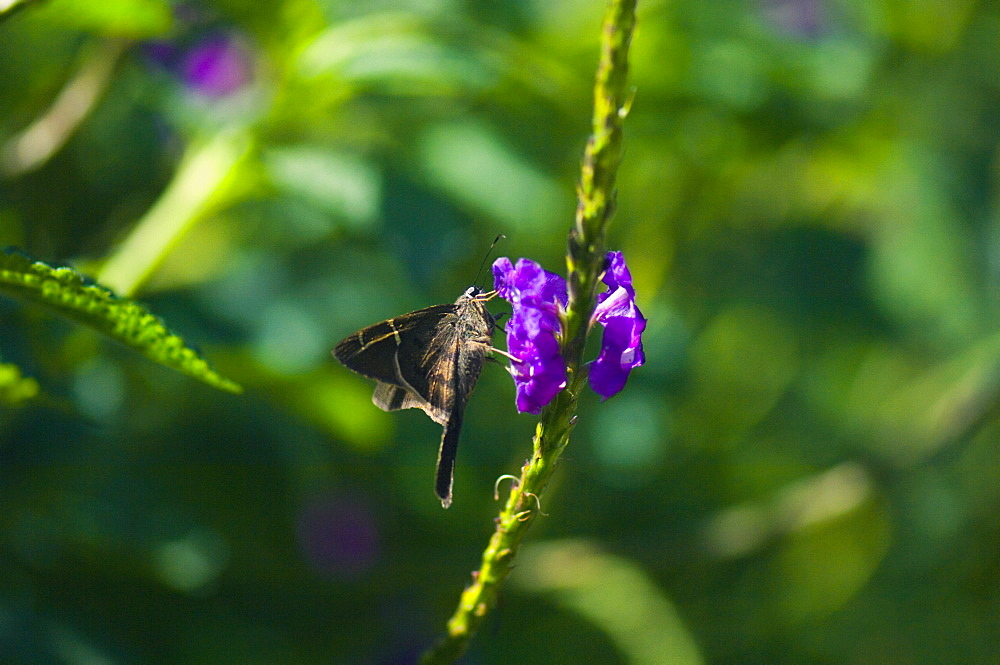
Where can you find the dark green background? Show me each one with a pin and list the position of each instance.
(805, 471)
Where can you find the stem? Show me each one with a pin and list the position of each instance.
(205, 170)
(32, 147)
(597, 193)
(585, 264)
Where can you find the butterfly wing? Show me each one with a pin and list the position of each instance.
(394, 353)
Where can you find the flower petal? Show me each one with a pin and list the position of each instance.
(503, 278)
(621, 345)
(621, 352)
(526, 281)
(540, 372)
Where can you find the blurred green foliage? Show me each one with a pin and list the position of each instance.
(804, 471)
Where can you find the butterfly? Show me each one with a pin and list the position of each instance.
(429, 359)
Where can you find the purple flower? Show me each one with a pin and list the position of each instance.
(537, 298)
(802, 19)
(217, 66)
(541, 372)
(529, 282)
(213, 64)
(338, 535)
(621, 346)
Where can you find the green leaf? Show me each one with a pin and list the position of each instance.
(69, 294)
(132, 19)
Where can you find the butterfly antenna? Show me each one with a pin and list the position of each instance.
(486, 258)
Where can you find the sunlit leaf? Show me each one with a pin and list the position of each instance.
(124, 18)
(613, 593)
(68, 293)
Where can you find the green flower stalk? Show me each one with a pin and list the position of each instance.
(586, 263)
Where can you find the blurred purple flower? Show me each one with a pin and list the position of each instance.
(338, 536)
(537, 298)
(161, 52)
(217, 66)
(804, 19)
(621, 346)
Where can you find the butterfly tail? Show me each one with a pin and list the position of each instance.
(446, 457)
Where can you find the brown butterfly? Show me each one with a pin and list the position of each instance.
(429, 359)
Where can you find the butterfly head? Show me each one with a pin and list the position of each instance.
(471, 309)
(477, 294)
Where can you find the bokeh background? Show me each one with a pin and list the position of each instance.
(805, 471)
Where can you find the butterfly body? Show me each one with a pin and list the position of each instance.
(429, 359)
